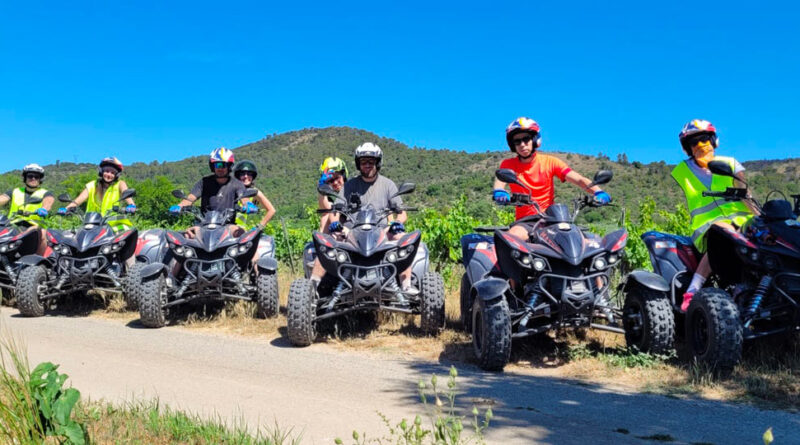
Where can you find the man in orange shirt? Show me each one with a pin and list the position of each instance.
(536, 170)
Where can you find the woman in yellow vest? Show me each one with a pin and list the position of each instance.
(32, 176)
(103, 194)
(699, 140)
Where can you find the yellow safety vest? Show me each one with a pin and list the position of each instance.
(18, 203)
(109, 200)
(705, 211)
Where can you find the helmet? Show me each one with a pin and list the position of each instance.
(368, 150)
(523, 124)
(221, 154)
(245, 166)
(694, 127)
(110, 162)
(334, 164)
(32, 168)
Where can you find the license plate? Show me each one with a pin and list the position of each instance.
(578, 286)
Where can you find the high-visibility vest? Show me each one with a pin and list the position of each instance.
(108, 201)
(704, 211)
(247, 222)
(18, 203)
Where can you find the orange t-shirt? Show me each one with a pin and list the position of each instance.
(538, 176)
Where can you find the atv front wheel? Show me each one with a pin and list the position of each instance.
(152, 295)
(267, 295)
(714, 330)
(301, 311)
(466, 303)
(131, 286)
(648, 320)
(432, 303)
(28, 283)
(491, 333)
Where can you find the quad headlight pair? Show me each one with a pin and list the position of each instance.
(237, 250)
(395, 255)
(529, 261)
(331, 253)
(187, 252)
(10, 247)
(111, 248)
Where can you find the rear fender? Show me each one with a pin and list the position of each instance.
(152, 270)
(421, 262)
(267, 264)
(647, 280)
(411, 240)
(130, 237)
(489, 289)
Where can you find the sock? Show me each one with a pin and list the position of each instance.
(697, 283)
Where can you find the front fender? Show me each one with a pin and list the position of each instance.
(31, 260)
(491, 288)
(267, 263)
(151, 270)
(648, 280)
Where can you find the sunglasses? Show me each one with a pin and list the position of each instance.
(522, 140)
(33, 176)
(700, 138)
(368, 162)
(250, 174)
(219, 164)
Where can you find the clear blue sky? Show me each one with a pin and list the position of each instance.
(165, 80)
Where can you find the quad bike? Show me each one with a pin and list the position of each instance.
(558, 278)
(15, 243)
(362, 268)
(755, 292)
(214, 265)
(90, 257)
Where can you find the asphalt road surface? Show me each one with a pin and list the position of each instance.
(326, 393)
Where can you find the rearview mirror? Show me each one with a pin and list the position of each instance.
(128, 193)
(602, 177)
(178, 194)
(405, 188)
(64, 197)
(248, 193)
(327, 190)
(721, 168)
(507, 175)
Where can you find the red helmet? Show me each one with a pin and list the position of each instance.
(523, 124)
(221, 154)
(695, 127)
(110, 162)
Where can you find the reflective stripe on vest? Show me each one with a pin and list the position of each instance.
(704, 211)
(109, 200)
(18, 203)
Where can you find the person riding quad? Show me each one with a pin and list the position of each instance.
(216, 191)
(536, 170)
(699, 140)
(334, 173)
(102, 195)
(246, 172)
(32, 176)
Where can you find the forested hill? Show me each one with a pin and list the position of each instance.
(288, 166)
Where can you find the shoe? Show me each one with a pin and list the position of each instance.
(410, 291)
(687, 298)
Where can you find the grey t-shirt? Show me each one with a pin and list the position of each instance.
(376, 193)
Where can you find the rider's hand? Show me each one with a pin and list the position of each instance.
(42, 212)
(175, 210)
(326, 176)
(396, 227)
(602, 197)
(249, 208)
(501, 196)
(130, 208)
(335, 226)
(62, 211)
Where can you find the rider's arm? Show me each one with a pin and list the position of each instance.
(47, 202)
(401, 217)
(498, 185)
(82, 197)
(122, 187)
(262, 199)
(188, 201)
(581, 181)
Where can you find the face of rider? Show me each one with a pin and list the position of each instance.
(246, 178)
(702, 149)
(368, 167)
(221, 170)
(33, 180)
(523, 144)
(337, 181)
(109, 174)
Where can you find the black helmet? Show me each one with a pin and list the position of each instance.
(245, 166)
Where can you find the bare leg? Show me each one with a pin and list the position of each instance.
(520, 231)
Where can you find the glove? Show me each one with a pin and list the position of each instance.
(501, 196)
(42, 212)
(326, 176)
(396, 227)
(335, 226)
(602, 197)
(249, 208)
(175, 210)
(130, 208)
(62, 211)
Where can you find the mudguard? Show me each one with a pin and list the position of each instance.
(309, 255)
(151, 270)
(267, 263)
(421, 263)
(31, 260)
(491, 288)
(647, 279)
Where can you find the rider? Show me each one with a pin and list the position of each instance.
(102, 195)
(32, 176)
(334, 173)
(246, 172)
(699, 139)
(216, 191)
(536, 170)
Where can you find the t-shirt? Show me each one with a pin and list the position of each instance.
(538, 176)
(216, 196)
(704, 174)
(376, 193)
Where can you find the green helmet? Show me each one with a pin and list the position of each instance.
(245, 166)
(333, 164)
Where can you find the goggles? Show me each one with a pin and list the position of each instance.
(522, 140)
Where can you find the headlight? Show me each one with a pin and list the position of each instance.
(600, 263)
(4, 248)
(404, 252)
(342, 257)
(233, 251)
(539, 264)
(613, 258)
(63, 250)
(188, 252)
(106, 250)
(391, 256)
(330, 253)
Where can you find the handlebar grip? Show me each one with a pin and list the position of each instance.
(714, 194)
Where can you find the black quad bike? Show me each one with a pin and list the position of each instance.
(558, 278)
(754, 290)
(15, 243)
(363, 270)
(214, 265)
(90, 257)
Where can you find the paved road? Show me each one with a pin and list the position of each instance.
(327, 393)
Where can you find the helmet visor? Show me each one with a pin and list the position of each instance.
(700, 138)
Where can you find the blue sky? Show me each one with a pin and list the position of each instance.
(165, 80)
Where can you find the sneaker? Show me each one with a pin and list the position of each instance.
(687, 298)
(410, 290)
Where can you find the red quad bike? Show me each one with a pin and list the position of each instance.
(91, 257)
(756, 291)
(558, 278)
(362, 273)
(212, 266)
(15, 243)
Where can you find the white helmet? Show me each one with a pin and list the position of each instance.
(368, 150)
(32, 168)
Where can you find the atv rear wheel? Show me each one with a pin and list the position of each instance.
(491, 333)
(714, 330)
(28, 283)
(131, 286)
(152, 296)
(466, 303)
(267, 295)
(648, 320)
(301, 311)
(432, 303)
